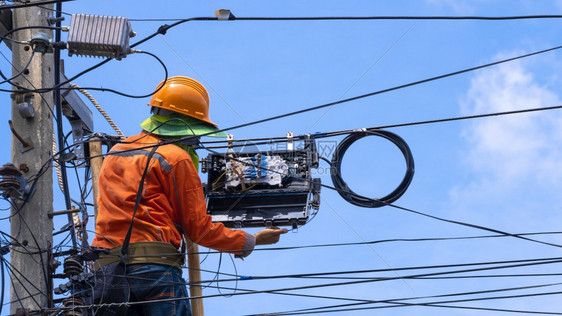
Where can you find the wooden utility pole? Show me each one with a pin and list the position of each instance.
(30, 224)
(96, 160)
(195, 289)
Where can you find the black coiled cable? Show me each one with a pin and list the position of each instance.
(360, 200)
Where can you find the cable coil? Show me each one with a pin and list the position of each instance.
(359, 200)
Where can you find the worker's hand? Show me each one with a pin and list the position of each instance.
(269, 236)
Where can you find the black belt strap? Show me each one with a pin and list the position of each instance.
(125, 246)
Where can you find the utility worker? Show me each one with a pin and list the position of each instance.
(150, 190)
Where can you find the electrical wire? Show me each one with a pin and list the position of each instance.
(3, 272)
(122, 93)
(480, 227)
(470, 117)
(15, 274)
(475, 226)
(61, 84)
(503, 264)
(458, 277)
(54, 10)
(399, 87)
(17, 30)
(22, 71)
(340, 308)
(400, 300)
(60, 132)
(281, 139)
(13, 40)
(510, 263)
(487, 276)
(522, 264)
(40, 253)
(164, 28)
(401, 240)
(399, 17)
(331, 18)
(395, 300)
(16, 294)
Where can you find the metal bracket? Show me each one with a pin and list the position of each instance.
(230, 139)
(79, 116)
(78, 136)
(315, 190)
(71, 211)
(25, 104)
(312, 158)
(73, 106)
(290, 141)
(25, 143)
(294, 225)
(26, 110)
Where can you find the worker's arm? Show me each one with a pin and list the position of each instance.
(197, 224)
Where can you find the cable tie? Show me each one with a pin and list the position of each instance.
(246, 277)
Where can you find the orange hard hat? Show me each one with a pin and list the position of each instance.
(185, 96)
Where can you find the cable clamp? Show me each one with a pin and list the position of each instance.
(230, 139)
(224, 15)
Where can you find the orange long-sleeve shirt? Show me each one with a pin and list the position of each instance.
(172, 199)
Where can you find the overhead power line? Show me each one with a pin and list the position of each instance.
(387, 17)
(392, 304)
(493, 230)
(397, 302)
(411, 84)
(402, 240)
(400, 17)
(515, 264)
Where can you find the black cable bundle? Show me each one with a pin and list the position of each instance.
(360, 200)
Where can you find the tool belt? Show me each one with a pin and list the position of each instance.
(156, 252)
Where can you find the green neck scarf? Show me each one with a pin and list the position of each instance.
(192, 154)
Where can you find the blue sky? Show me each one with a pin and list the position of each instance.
(500, 172)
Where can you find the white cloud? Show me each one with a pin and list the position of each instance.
(508, 153)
